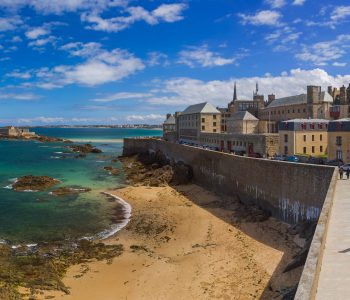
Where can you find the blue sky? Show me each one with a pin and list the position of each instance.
(120, 61)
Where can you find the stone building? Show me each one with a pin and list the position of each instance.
(315, 104)
(339, 140)
(196, 119)
(242, 122)
(253, 145)
(307, 137)
(169, 128)
(12, 131)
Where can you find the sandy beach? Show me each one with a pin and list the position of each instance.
(184, 244)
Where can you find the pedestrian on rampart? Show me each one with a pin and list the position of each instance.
(347, 172)
(341, 172)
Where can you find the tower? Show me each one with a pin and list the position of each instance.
(342, 95)
(348, 94)
(313, 101)
(234, 93)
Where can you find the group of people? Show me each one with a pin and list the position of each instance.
(342, 171)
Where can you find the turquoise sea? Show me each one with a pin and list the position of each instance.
(31, 217)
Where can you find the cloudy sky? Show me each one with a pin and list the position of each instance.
(132, 61)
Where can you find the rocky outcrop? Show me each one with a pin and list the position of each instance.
(84, 149)
(34, 183)
(66, 191)
(156, 170)
(112, 170)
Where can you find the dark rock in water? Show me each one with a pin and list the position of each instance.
(113, 171)
(34, 183)
(80, 156)
(64, 191)
(84, 149)
(183, 173)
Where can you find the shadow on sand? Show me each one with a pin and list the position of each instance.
(259, 226)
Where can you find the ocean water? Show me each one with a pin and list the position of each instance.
(31, 217)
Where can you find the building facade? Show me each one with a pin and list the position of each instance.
(196, 119)
(307, 137)
(253, 145)
(169, 128)
(339, 140)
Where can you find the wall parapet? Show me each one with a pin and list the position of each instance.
(290, 192)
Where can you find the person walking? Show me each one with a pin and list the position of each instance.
(341, 172)
(347, 172)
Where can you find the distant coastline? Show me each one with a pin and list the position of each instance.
(142, 126)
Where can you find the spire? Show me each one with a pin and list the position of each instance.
(235, 93)
(257, 88)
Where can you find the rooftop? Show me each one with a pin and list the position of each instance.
(298, 99)
(244, 115)
(307, 121)
(203, 108)
(170, 120)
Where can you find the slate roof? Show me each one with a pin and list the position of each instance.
(170, 120)
(243, 115)
(204, 108)
(298, 99)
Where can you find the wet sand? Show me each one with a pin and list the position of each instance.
(182, 244)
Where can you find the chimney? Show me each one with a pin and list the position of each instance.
(168, 116)
(271, 98)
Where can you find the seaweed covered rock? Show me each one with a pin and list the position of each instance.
(34, 183)
(112, 170)
(86, 148)
(73, 190)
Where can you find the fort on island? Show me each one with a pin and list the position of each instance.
(313, 127)
(16, 132)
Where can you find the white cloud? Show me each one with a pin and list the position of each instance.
(19, 74)
(322, 52)
(157, 58)
(82, 50)
(264, 17)
(122, 96)
(9, 23)
(60, 6)
(168, 13)
(20, 97)
(43, 41)
(37, 32)
(339, 64)
(145, 118)
(340, 13)
(299, 2)
(16, 39)
(203, 57)
(103, 67)
(181, 92)
(276, 3)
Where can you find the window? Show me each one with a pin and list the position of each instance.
(286, 138)
(304, 150)
(214, 117)
(298, 110)
(320, 137)
(338, 141)
(293, 111)
(286, 150)
(304, 137)
(313, 149)
(321, 148)
(214, 130)
(203, 120)
(313, 138)
(203, 127)
(214, 124)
